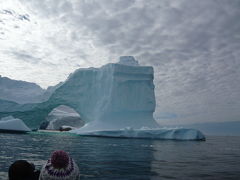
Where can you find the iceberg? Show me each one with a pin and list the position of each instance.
(13, 124)
(108, 99)
(114, 96)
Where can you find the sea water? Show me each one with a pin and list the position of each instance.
(123, 159)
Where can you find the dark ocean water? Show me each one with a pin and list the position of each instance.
(138, 159)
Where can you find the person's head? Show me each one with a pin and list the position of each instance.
(60, 167)
(22, 170)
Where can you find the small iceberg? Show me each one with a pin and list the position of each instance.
(11, 124)
(160, 133)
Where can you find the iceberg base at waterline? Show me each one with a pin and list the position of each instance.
(13, 125)
(145, 133)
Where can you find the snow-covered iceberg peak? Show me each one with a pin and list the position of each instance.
(128, 60)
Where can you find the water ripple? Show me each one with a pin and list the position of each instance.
(135, 159)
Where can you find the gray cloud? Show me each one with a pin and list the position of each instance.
(192, 45)
(24, 56)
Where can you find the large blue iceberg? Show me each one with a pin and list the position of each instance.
(109, 99)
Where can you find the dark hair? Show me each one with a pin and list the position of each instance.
(22, 170)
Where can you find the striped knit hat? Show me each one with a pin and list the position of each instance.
(60, 166)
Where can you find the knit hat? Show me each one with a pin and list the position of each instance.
(60, 166)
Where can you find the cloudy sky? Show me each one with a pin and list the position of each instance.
(194, 47)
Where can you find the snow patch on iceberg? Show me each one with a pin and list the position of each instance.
(128, 60)
(146, 133)
(13, 124)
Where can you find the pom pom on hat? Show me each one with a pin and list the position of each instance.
(59, 159)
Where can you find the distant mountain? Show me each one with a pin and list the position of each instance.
(24, 92)
(20, 91)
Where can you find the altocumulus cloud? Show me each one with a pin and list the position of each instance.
(193, 46)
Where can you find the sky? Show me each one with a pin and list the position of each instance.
(193, 46)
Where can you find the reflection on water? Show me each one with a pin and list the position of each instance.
(197, 160)
(115, 158)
